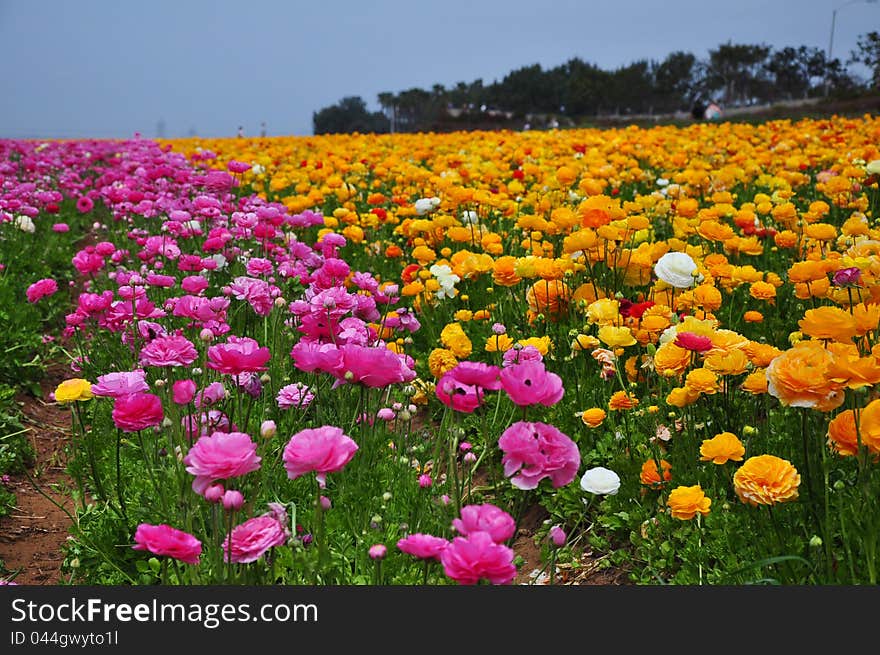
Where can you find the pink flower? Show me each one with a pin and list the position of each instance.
(232, 500)
(41, 289)
(485, 518)
(236, 166)
(164, 540)
(310, 356)
(378, 551)
(238, 355)
(459, 396)
(322, 450)
(530, 383)
(691, 341)
(250, 540)
(84, 204)
(168, 351)
(425, 481)
(477, 374)
(137, 411)
(557, 536)
(294, 395)
(423, 546)
(517, 355)
(372, 367)
(183, 391)
(61, 227)
(467, 560)
(534, 451)
(221, 456)
(115, 385)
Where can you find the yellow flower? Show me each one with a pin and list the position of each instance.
(686, 502)
(616, 337)
(498, 343)
(722, 448)
(75, 389)
(543, 344)
(453, 337)
(441, 360)
(702, 380)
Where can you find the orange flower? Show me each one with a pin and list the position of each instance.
(799, 378)
(869, 426)
(762, 290)
(842, 435)
(503, 274)
(829, 323)
(722, 448)
(548, 297)
(620, 400)
(649, 475)
(755, 382)
(686, 502)
(702, 380)
(753, 317)
(766, 480)
(682, 396)
(671, 360)
(593, 417)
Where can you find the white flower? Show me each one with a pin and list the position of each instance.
(600, 480)
(447, 280)
(257, 169)
(873, 167)
(25, 224)
(662, 181)
(470, 217)
(677, 269)
(425, 205)
(220, 259)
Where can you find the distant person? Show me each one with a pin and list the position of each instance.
(698, 111)
(240, 131)
(263, 128)
(712, 112)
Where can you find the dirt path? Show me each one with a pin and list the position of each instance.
(31, 536)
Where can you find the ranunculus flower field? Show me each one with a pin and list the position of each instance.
(382, 359)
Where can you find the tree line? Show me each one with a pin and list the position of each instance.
(732, 75)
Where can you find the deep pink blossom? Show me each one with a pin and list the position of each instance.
(322, 450)
(221, 456)
(183, 391)
(486, 518)
(238, 355)
(169, 351)
(467, 560)
(534, 451)
(162, 539)
(372, 367)
(459, 396)
(137, 411)
(695, 342)
(530, 383)
(41, 289)
(423, 546)
(249, 541)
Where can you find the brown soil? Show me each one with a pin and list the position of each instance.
(32, 535)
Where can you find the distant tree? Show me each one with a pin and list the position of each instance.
(675, 81)
(631, 88)
(797, 71)
(738, 71)
(349, 115)
(585, 88)
(868, 53)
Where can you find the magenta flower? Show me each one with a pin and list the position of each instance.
(221, 456)
(310, 356)
(250, 540)
(164, 540)
(41, 289)
(294, 395)
(467, 560)
(485, 518)
(238, 355)
(322, 450)
(84, 204)
(694, 342)
(530, 383)
(847, 277)
(137, 411)
(423, 546)
(183, 391)
(372, 367)
(115, 385)
(517, 355)
(168, 351)
(534, 451)
(459, 396)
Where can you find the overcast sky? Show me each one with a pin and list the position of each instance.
(111, 68)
